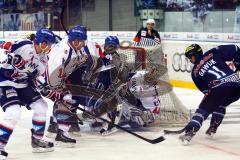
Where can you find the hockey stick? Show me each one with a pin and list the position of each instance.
(166, 132)
(152, 141)
(61, 20)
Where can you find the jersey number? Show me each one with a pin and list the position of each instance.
(61, 73)
(216, 72)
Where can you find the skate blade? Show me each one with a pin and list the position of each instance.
(210, 136)
(3, 157)
(107, 133)
(184, 141)
(75, 134)
(42, 150)
(64, 145)
(51, 135)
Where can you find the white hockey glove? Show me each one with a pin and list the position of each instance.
(67, 98)
(3, 56)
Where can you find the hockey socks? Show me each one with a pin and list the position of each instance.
(38, 128)
(5, 133)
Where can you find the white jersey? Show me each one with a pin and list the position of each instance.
(63, 60)
(32, 62)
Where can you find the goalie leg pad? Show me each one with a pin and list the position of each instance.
(99, 107)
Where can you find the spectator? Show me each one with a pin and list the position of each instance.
(174, 5)
(147, 33)
(21, 5)
(200, 9)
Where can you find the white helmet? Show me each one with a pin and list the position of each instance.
(150, 21)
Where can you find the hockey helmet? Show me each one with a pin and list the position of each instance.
(45, 35)
(77, 32)
(193, 50)
(112, 41)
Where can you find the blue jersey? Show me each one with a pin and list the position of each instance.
(211, 70)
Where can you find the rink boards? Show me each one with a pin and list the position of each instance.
(173, 43)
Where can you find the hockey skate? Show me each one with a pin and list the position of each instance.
(3, 155)
(74, 130)
(52, 129)
(211, 131)
(40, 145)
(187, 137)
(109, 129)
(63, 139)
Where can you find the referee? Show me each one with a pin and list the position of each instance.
(147, 36)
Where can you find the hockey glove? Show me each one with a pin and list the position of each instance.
(67, 98)
(16, 61)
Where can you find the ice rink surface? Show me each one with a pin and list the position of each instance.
(122, 146)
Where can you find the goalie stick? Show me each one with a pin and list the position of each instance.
(152, 141)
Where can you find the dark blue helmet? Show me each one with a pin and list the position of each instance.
(193, 50)
(112, 41)
(78, 32)
(45, 35)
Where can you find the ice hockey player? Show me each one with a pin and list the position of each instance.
(23, 62)
(215, 79)
(100, 85)
(70, 54)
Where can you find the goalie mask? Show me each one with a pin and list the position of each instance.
(111, 44)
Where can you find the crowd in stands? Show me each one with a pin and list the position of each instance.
(28, 6)
(185, 5)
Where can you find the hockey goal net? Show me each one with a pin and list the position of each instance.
(172, 111)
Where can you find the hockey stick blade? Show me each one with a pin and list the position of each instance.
(152, 141)
(174, 132)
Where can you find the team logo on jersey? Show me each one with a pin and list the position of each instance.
(11, 93)
(144, 33)
(32, 65)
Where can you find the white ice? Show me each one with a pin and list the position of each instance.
(122, 146)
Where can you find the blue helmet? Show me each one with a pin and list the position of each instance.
(78, 32)
(112, 41)
(45, 35)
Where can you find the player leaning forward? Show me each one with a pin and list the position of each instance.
(26, 61)
(70, 54)
(217, 81)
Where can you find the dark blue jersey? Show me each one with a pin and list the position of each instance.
(211, 70)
